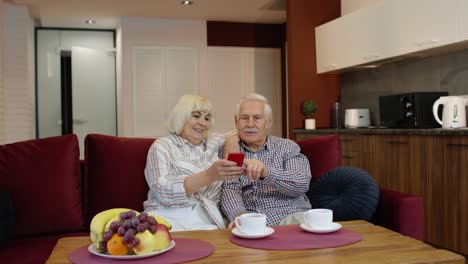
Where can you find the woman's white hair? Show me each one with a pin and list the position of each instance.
(182, 111)
(255, 97)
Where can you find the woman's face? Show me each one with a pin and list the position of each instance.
(196, 128)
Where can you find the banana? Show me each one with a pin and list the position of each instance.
(115, 218)
(162, 221)
(100, 221)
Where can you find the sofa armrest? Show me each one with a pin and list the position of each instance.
(401, 212)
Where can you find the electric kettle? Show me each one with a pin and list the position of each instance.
(453, 114)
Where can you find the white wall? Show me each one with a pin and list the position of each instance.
(348, 6)
(151, 32)
(18, 102)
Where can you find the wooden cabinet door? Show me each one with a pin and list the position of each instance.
(435, 200)
(446, 198)
(400, 163)
(456, 200)
(359, 151)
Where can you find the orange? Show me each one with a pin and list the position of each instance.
(115, 246)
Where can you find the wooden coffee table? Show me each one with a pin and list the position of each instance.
(378, 245)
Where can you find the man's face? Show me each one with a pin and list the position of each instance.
(252, 123)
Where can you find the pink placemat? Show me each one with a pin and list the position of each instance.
(293, 237)
(184, 250)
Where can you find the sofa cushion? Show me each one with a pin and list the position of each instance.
(6, 215)
(43, 179)
(31, 250)
(114, 173)
(350, 192)
(323, 153)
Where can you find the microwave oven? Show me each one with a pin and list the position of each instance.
(409, 110)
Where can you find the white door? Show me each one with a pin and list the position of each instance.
(94, 99)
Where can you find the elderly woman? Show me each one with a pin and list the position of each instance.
(183, 170)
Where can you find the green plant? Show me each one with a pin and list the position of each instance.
(309, 108)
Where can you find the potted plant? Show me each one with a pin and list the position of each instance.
(309, 108)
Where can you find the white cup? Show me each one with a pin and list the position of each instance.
(252, 223)
(319, 217)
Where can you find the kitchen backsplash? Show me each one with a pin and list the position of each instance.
(362, 88)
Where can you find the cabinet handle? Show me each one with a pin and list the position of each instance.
(397, 142)
(457, 145)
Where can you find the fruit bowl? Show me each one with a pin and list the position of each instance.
(93, 250)
(124, 232)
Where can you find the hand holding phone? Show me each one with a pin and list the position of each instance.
(237, 157)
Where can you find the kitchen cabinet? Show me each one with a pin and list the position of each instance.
(463, 28)
(400, 160)
(351, 40)
(418, 25)
(358, 151)
(433, 166)
(447, 198)
(388, 29)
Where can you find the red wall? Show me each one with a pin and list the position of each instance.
(303, 82)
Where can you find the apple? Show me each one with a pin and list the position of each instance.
(162, 236)
(147, 243)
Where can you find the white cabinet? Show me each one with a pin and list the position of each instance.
(387, 29)
(235, 72)
(161, 74)
(417, 25)
(351, 40)
(463, 29)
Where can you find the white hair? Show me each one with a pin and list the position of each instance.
(255, 97)
(182, 111)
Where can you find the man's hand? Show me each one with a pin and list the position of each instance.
(255, 169)
(231, 225)
(231, 145)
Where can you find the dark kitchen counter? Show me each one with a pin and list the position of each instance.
(385, 131)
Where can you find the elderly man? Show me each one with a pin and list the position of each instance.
(276, 176)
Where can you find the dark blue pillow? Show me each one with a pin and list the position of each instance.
(6, 215)
(350, 192)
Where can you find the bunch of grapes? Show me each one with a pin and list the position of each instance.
(130, 224)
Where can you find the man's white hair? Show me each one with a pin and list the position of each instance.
(255, 97)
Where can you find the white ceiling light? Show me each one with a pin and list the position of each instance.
(90, 21)
(186, 2)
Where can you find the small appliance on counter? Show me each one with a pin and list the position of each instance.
(410, 110)
(454, 113)
(355, 118)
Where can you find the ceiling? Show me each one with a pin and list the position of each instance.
(107, 13)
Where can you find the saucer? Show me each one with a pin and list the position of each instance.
(268, 231)
(316, 229)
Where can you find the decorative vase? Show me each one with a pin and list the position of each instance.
(310, 123)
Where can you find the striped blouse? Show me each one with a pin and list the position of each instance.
(170, 160)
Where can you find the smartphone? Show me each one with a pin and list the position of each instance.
(237, 157)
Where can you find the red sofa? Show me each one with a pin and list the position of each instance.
(55, 195)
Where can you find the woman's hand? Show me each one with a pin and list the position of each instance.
(222, 170)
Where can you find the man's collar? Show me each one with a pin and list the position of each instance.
(266, 145)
